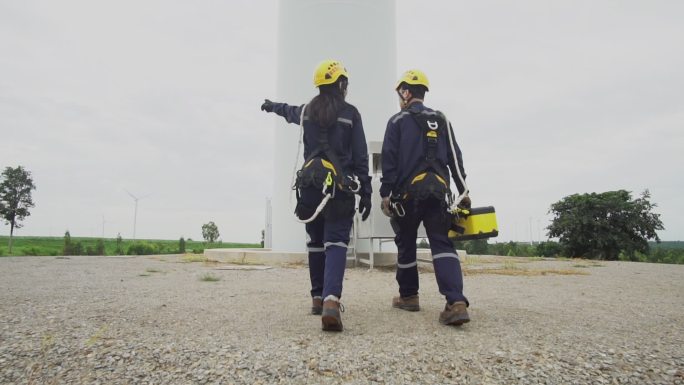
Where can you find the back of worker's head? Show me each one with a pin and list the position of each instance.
(413, 84)
(332, 79)
(417, 91)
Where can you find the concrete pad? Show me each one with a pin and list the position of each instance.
(256, 256)
(380, 259)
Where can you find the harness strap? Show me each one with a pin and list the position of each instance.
(430, 133)
(335, 178)
(350, 183)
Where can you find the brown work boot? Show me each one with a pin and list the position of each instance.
(331, 318)
(316, 305)
(455, 314)
(406, 303)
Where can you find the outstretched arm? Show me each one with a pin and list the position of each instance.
(291, 114)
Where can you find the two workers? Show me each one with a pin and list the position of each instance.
(419, 155)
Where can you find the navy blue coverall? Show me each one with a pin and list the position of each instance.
(328, 235)
(403, 151)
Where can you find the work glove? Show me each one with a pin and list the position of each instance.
(267, 106)
(386, 209)
(365, 207)
(465, 202)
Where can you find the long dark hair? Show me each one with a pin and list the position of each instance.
(324, 107)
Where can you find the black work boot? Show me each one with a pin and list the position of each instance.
(406, 303)
(316, 305)
(455, 314)
(331, 318)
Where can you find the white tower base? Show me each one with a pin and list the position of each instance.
(359, 33)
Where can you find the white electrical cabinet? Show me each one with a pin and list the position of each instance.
(376, 229)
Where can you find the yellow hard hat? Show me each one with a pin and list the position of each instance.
(414, 77)
(328, 71)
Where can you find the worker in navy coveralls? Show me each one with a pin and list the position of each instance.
(414, 156)
(333, 132)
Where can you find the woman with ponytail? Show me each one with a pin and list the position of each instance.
(335, 160)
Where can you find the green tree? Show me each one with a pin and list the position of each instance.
(423, 244)
(119, 244)
(68, 247)
(181, 245)
(602, 225)
(16, 186)
(476, 246)
(210, 232)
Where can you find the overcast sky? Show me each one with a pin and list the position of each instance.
(161, 98)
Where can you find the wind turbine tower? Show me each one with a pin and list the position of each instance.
(362, 35)
(135, 212)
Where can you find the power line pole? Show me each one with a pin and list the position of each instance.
(538, 231)
(531, 240)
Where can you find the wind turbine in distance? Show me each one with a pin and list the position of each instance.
(103, 225)
(135, 214)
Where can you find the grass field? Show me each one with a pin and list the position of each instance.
(54, 246)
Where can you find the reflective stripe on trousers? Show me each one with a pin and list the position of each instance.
(445, 260)
(327, 246)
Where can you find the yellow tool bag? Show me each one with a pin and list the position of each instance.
(474, 223)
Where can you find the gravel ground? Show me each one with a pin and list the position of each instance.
(152, 320)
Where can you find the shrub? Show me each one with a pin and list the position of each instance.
(76, 248)
(511, 249)
(142, 248)
(657, 255)
(32, 251)
(634, 256)
(476, 246)
(100, 247)
(549, 249)
(208, 277)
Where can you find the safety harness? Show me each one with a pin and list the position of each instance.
(321, 169)
(430, 179)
